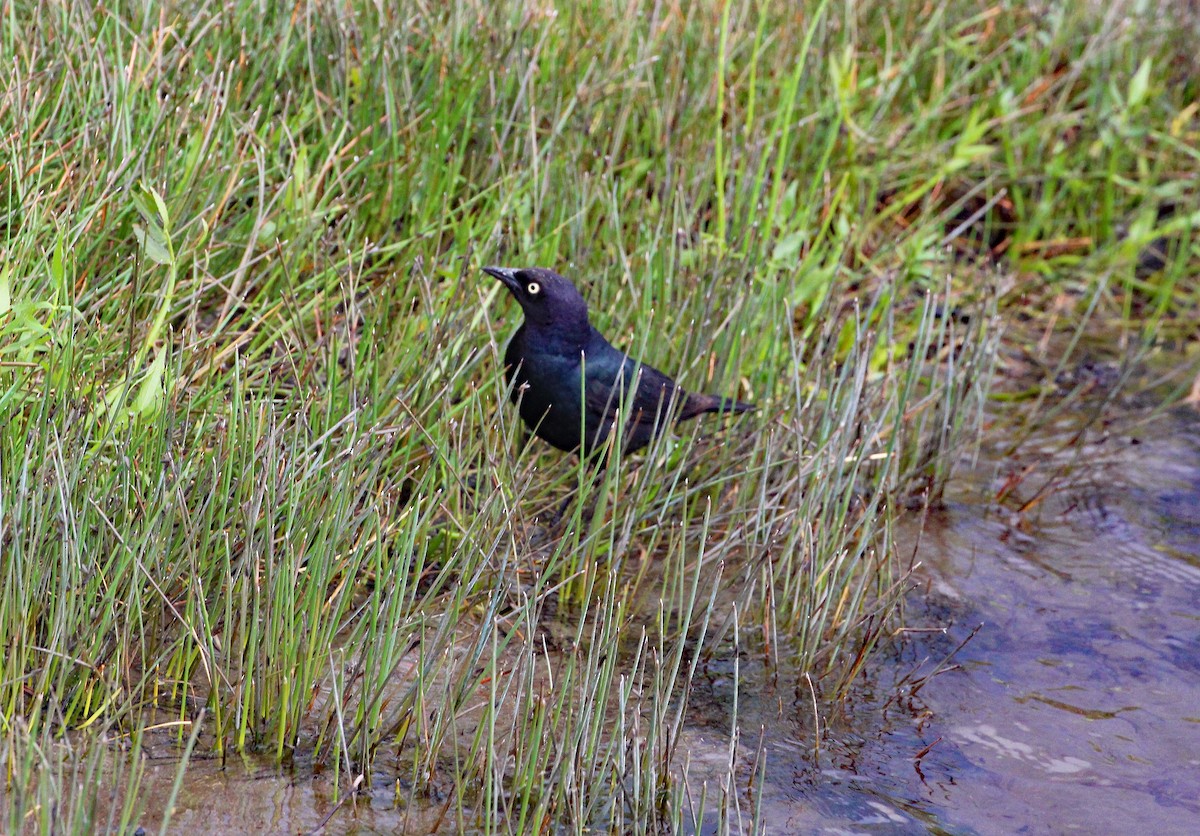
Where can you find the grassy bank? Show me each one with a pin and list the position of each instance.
(261, 490)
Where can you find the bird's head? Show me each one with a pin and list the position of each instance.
(547, 298)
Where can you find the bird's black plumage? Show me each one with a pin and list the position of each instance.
(570, 381)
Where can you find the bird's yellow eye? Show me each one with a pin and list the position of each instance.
(534, 288)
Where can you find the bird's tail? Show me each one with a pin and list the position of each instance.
(700, 404)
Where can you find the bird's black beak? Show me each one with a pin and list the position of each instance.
(507, 277)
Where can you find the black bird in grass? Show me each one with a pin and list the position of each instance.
(571, 382)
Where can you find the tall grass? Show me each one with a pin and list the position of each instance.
(260, 484)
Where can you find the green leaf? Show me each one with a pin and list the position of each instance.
(5, 290)
(152, 244)
(788, 246)
(1139, 84)
(160, 205)
(151, 391)
(58, 269)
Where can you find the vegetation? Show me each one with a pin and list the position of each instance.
(261, 490)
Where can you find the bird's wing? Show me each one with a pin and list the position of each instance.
(651, 397)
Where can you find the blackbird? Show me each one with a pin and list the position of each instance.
(571, 382)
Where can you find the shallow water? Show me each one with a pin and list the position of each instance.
(1073, 707)
(1076, 705)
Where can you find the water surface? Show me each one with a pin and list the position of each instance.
(1075, 705)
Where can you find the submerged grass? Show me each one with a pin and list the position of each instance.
(260, 485)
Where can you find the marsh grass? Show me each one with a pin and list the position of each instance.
(261, 487)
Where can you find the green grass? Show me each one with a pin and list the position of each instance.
(257, 463)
